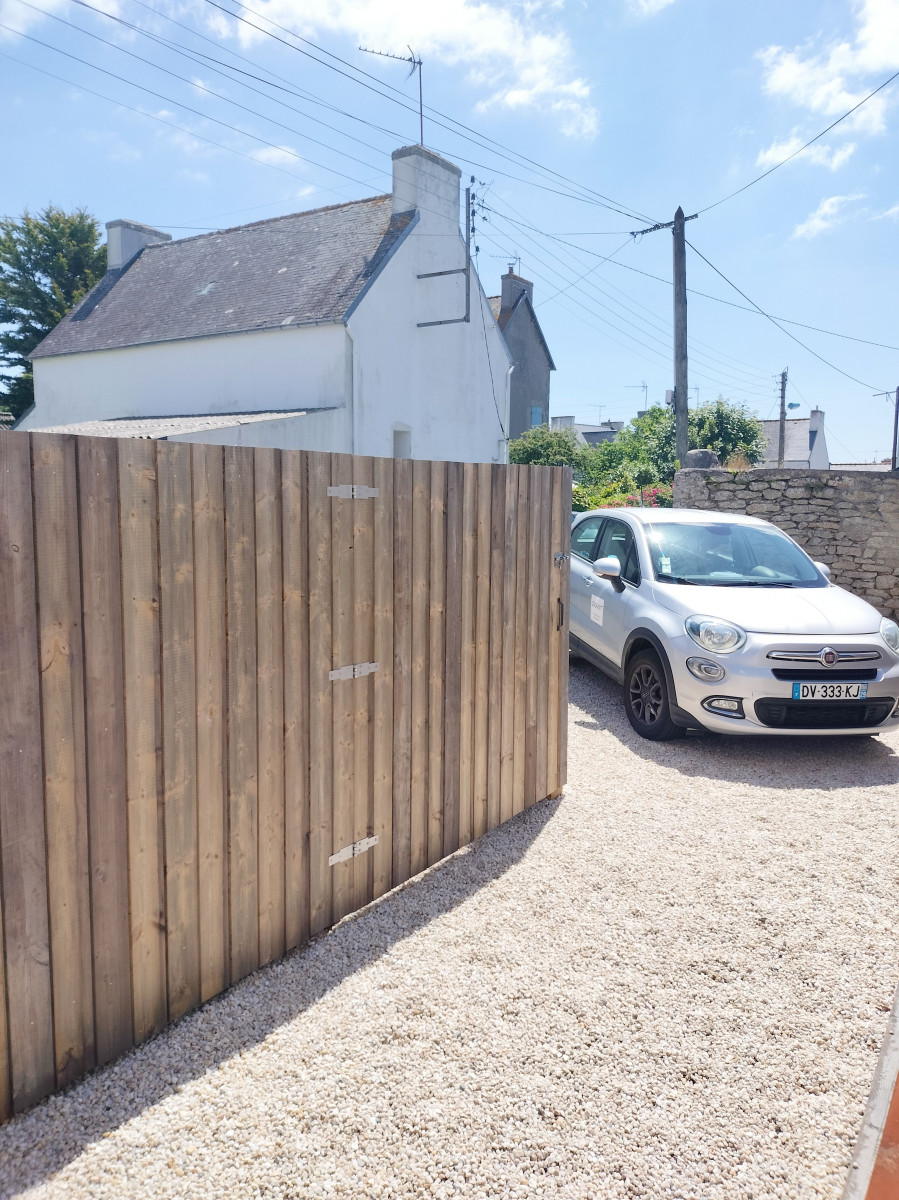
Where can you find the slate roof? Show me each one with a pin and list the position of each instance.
(161, 428)
(306, 268)
(796, 439)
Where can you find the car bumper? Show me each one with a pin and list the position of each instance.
(767, 705)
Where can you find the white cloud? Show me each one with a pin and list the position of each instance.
(830, 212)
(276, 156)
(515, 56)
(830, 80)
(117, 149)
(22, 18)
(891, 214)
(822, 155)
(649, 8)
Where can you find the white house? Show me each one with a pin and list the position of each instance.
(357, 328)
(805, 445)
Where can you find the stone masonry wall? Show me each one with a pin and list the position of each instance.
(846, 519)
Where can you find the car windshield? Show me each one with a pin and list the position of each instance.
(729, 555)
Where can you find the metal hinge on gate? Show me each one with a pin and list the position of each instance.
(352, 491)
(355, 671)
(353, 850)
(561, 558)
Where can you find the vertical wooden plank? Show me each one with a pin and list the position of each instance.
(467, 629)
(383, 697)
(507, 731)
(342, 690)
(495, 683)
(452, 739)
(143, 732)
(270, 702)
(243, 815)
(23, 867)
(179, 726)
(436, 661)
(58, 570)
(402, 671)
(101, 589)
(5, 1080)
(295, 565)
(362, 690)
(320, 692)
(530, 753)
(523, 574)
(543, 568)
(211, 674)
(565, 537)
(482, 652)
(557, 546)
(421, 542)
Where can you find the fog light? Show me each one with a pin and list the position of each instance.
(703, 668)
(725, 706)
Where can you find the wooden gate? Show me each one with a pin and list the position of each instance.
(242, 693)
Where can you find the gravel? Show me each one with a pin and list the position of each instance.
(672, 982)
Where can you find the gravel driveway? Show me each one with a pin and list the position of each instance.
(671, 982)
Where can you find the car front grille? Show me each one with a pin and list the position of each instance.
(825, 674)
(823, 714)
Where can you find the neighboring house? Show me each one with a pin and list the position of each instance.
(515, 315)
(805, 445)
(341, 329)
(590, 435)
(885, 464)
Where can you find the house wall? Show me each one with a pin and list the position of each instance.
(305, 367)
(845, 519)
(530, 379)
(447, 384)
(329, 430)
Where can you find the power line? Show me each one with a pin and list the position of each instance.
(774, 322)
(816, 138)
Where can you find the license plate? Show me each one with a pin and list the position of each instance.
(830, 691)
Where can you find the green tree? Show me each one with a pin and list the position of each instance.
(47, 263)
(545, 447)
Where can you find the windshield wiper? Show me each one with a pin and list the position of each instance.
(674, 579)
(748, 583)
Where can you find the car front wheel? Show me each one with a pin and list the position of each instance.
(646, 698)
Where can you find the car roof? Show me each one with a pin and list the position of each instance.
(682, 516)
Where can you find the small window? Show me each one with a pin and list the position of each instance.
(402, 443)
(617, 541)
(536, 415)
(583, 538)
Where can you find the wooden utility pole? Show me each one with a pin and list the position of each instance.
(782, 432)
(896, 433)
(681, 441)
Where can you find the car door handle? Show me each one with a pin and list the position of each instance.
(588, 582)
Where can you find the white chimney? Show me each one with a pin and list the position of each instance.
(427, 182)
(513, 286)
(125, 239)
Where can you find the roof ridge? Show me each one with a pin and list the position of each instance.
(308, 212)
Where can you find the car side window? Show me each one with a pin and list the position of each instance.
(618, 539)
(583, 537)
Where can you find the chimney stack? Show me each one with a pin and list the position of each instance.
(125, 239)
(513, 286)
(425, 181)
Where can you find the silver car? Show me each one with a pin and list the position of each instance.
(721, 622)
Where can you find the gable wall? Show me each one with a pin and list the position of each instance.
(530, 379)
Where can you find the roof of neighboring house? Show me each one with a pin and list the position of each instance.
(504, 315)
(161, 428)
(796, 439)
(884, 465)
(306, 268)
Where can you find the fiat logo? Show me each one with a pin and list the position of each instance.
(829, 657)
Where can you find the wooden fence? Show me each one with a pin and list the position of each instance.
(236, 706)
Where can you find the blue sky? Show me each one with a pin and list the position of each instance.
(590, 121)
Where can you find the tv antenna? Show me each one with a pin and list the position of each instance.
(643, 388)
(414, 64)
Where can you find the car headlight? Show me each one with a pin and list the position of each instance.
(714, 634)
(889, 631)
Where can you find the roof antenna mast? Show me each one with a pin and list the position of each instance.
(414, 63)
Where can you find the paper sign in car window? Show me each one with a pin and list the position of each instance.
(597, 604)
(664, 565)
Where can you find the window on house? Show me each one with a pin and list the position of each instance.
(402, 443)
(536, 415)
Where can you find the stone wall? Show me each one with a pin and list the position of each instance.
(847, 519)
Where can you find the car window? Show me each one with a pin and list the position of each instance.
(583, 537)
(617, 540)
(727, 554)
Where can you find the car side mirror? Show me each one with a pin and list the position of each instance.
(824, 569)
(609, 568)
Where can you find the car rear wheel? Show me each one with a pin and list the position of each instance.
(646, 698)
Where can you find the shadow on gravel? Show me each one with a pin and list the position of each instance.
(43, 1140)
(825, 762)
